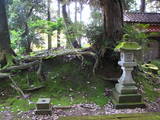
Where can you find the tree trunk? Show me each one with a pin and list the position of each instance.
(113, 20)
(70, 34)
(5, 47)
(143, 5)
(75, 17)
(49, 19)
(27, 43)
(81, 9)
(58, 31)
(69, 11)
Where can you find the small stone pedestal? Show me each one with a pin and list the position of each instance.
(125, 92)
(43, 106)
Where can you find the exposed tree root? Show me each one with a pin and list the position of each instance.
(31, 61)
(20, 67)
(63, 52)
(4, 75)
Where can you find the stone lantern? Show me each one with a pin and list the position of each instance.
(125, 93)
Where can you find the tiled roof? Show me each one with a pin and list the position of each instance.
(150, 18)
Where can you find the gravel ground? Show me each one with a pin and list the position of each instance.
(79, 110)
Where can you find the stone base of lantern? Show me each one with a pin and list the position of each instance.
(43, 111)
(127, 99)
(43, 106)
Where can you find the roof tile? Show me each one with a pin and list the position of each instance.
(150, 18)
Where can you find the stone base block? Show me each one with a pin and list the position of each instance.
(129, 98)
(43, 112)
(121, 101)
(126, 89)
(127, 105)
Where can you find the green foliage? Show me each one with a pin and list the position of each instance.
(94, 34)
(16, 41)
(134, 33)
(147, 86)
(20, 13)
(148, 79)
(44, 26)
(74, 32)
(95, 30)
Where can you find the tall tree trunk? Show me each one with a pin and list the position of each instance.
(26, 42)
(68, 8)
(76, 9)
(81, 9)
(5, 47)
(49, 19)
(113, 16)
(143, 6)
(70, 35)
(58, 31)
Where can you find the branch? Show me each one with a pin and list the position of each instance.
(20, 67)
(4, 75)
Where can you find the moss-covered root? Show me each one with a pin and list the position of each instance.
(9, 60)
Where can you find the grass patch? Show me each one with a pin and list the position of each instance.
(67, 84)
(149, 116)
(147, 86)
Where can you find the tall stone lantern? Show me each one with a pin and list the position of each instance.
(125, 93)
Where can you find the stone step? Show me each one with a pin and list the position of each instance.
(128, 105)
(126, 98)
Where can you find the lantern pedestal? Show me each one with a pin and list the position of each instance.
(125, 93)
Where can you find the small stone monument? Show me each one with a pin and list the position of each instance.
(43, 106)
(125, 93)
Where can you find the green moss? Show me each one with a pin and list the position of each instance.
(16, 105)
(148, 116)
(150, 67)
(67, 84)
(128, 46)
(9, 59)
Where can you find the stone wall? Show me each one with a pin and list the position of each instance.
(153, 51)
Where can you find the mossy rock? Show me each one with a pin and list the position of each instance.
(131, 46)
(150, 67)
